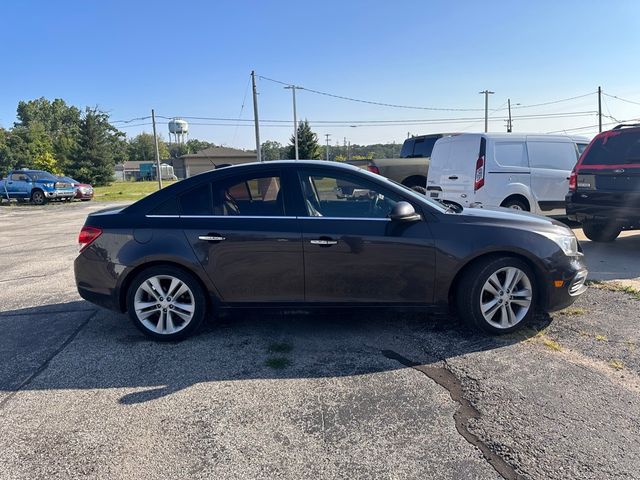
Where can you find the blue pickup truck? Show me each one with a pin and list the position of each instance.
(35, 185)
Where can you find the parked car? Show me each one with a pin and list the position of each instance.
(84, 191)
(413, 165)
(604, 188)
(36, 186)
(523, 172)
(281, 234)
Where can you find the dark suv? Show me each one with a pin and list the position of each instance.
(604, 187)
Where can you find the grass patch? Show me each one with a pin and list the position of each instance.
(281, 347)
(573, 311)
(616, 364)
(551, 344)
(615, 287)
(277, 363)
(601, 338)
(126, 191)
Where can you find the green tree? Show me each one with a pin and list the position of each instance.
(194, 145)
(94, 160)
(142, 148)
(46, 161)
(308, 147)
(271, 150)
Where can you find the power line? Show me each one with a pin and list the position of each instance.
(370, 102)
(554, 101)
(244, 99)
(621, 99)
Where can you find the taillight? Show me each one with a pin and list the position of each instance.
(573, 181)
(479, 180)
(373, 169)
(87, 236)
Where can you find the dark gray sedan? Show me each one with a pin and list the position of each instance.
(319, 234)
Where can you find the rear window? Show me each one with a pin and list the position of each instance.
(510, 154)
(418, 147)
(614, 149)
(407, 148)
(197, 201)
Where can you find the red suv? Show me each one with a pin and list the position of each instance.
(604, 187)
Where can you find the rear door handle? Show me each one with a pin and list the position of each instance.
(323, 242)
(212, 238)
(453, 177)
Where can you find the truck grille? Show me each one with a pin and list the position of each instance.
(62, 185)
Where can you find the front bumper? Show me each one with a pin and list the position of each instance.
(59, 193)
(565, 284)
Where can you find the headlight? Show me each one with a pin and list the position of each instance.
(566, 241)
(48, 184)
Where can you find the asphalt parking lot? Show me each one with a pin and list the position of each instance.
(336, 395)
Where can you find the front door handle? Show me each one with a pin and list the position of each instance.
(323, 242)
(212, 238)
(453, 177)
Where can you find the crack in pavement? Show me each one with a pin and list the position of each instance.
(446, 379)
(46, 363)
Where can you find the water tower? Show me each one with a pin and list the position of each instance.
(179, 128)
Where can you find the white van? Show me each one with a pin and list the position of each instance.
(524, 172)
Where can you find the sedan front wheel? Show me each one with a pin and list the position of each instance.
(497, 295)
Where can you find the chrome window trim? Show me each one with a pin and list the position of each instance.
(269, 217)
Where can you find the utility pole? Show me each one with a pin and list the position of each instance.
(327, 135)
(486, 108)
(255, 116)
(349, 151)
(599, 109)
(155, 141)
(295, 119)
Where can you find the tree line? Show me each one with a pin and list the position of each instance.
(84, 144)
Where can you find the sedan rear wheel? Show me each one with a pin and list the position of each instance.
(497, 295)
(166, 303)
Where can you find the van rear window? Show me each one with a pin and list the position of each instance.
(614, 149)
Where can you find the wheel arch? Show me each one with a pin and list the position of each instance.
(128, 278)
(414, 180)
(537, 269)
(517, 196)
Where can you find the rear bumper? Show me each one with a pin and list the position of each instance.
(624, 212)
(97, 282)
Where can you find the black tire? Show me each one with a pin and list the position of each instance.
(419, 189)
(515, 204)
(469, 294)
(196, 297)
(415, 182)
(38, 198)
(601, 232)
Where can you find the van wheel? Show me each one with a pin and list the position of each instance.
(419, 189)
(515, 204)
(497, 295)
(600, 232)
(166, 303)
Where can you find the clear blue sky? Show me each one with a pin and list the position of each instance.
(193, 58)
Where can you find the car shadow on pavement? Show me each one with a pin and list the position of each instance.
(76, 346)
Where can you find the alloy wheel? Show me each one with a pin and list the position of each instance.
(506, 297)
(164, 304)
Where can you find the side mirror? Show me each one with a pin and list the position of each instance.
(404, 212)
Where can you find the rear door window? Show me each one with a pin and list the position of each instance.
(616, 148)
(511, 154)
(407, 148)
(249, 196)
(552, 155)
(197, 201)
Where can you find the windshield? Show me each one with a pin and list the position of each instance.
(432, 203)
(38, 175)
